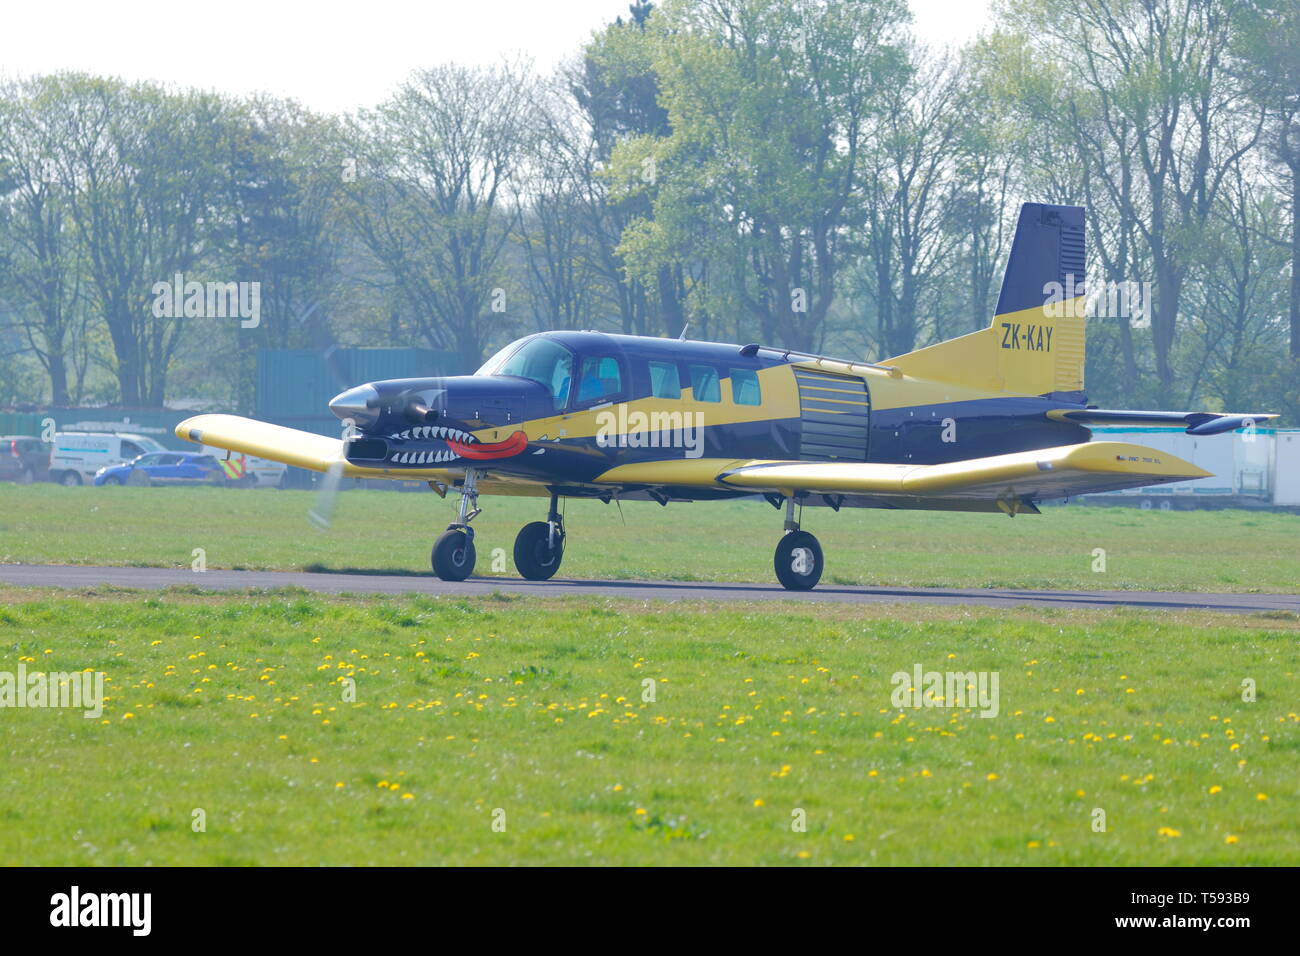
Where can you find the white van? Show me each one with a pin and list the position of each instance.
(78, 455)
(263, 472)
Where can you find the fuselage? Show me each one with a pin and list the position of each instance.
(567, 407)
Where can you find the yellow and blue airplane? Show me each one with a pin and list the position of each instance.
(993, 421)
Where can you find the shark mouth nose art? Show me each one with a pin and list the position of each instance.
(455, 443)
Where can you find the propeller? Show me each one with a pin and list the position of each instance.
(322, 511)
(327, 487)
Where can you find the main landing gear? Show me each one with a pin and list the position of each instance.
(798, 559)
(539, 548)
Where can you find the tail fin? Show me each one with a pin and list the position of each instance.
(1035, 345)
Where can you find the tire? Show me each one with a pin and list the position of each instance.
(1166, 505)
(70, 479)
(113, 480)
(798, 561)
(1146, 504)
(26, 476)
(535, 558)
(453, 555)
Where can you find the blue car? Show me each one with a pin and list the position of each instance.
(165, 468)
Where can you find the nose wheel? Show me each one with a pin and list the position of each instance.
(453, 554)
(798, 560)
(539, 546)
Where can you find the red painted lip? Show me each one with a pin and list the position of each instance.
(485, 451)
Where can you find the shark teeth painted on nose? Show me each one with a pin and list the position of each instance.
(459, 444)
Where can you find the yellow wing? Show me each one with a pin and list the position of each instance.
(998, 482)
(263, 440)
(321, 453)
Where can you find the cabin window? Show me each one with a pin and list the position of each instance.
(665, 381)
(705, 384)
(744, 387)
(601, 379)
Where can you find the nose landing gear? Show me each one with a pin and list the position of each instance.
(798, 559)
(539, 547)
(453, 554)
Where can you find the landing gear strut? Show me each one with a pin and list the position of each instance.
(798, 558)
(539, 547)
(453, 553)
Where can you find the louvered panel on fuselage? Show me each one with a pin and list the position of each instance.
(835, 412)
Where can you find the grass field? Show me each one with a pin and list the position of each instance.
(236, 705)
(728, 541)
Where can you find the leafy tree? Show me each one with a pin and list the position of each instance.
(768, 102)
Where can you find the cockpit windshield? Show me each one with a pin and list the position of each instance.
(540, 359)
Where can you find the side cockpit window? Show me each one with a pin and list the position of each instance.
(601, 379)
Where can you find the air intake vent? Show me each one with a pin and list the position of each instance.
(835, 411)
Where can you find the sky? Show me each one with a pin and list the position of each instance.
(332, 56)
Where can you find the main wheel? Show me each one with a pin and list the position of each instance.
(535, 556)
(453, 555)
(798, 561)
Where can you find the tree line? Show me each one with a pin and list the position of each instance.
(802, 173)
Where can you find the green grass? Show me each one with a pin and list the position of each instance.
(235, 705)
(728, 541)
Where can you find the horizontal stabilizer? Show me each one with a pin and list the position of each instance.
(1195, 423)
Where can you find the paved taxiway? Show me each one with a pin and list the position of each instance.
(353, 582)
